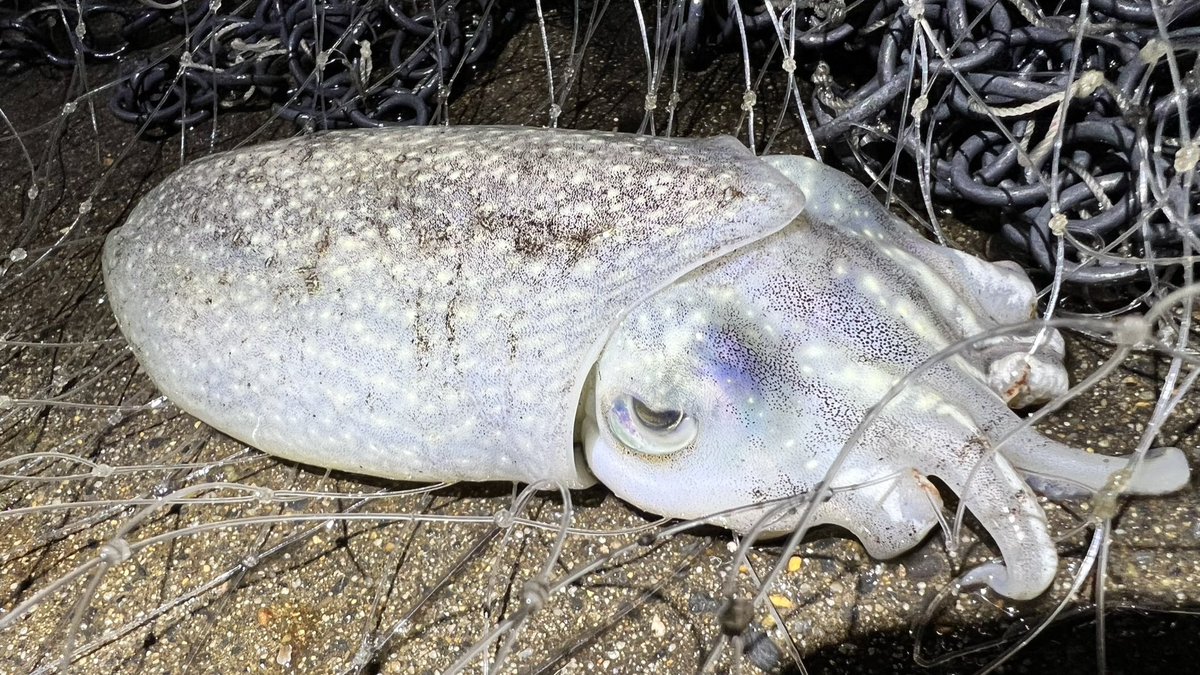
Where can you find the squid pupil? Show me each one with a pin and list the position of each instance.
(660, 420)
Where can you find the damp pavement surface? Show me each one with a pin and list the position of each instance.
(299, 581)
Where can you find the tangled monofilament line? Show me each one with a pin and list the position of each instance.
(337, 63)
(1072, 127)
(1014, 86)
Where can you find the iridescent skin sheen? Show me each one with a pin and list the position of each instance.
(500, 303)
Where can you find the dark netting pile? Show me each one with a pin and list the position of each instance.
(1121, 191)
(701, 30)
(334, 63)
(1056, 126)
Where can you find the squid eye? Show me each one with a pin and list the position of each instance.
(648, 430)
(658, 420)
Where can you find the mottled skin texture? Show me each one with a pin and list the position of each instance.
(776, 354)
(970, 293)
(426, 304)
